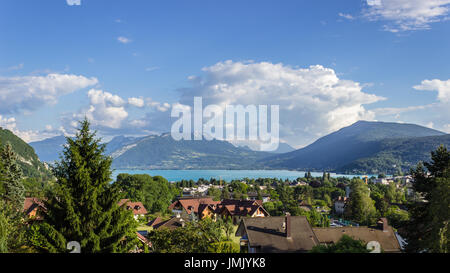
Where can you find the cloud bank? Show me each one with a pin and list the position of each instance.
(27, 93)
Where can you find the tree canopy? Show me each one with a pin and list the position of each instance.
(427, 229)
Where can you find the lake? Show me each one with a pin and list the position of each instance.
(225, 175)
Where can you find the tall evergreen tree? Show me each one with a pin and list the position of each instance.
(11, 176)
(427, 230)
(84, 206)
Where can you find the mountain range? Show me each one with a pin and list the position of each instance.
(364, 147)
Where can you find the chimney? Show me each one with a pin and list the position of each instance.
(383, 224)
(288, 225)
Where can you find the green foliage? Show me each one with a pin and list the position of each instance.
(203, 236)
(360, 208)
(397, 217)
(345, 245)
(427, 230)
(224, 247)
(156, 193)
(83, 206)
(11, 177)
(215, 193)
(12, 229)
(316, 219)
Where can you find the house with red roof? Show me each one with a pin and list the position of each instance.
(200, 207)
(137, 207)
(238, 209)
(34, 208)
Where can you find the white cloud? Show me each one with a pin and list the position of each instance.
(27, 135)
(105, 109)
(108, 114)
(407, 15)
(138, 102)
(31, 92)
(73, 2)
(313, 101)
(443, 88)
(123, 40)
(346, 16)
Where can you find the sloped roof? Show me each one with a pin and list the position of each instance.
(32, 203)
(143, 239)
(155, 221)
(137, 207)
(172, 223)
(240, 207)
(193, 204)
(387, 239)
(268, 234)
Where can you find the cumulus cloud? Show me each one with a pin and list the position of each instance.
(313, 101)
(138, 102)
(31, 92)
(407, 15)
(442, 87)
(73, 2)
(123, 40)
(109, 114)
(105, 109)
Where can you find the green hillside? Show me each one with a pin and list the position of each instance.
(28, 160)
(395, 154)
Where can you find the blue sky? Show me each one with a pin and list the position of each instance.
(125, 63)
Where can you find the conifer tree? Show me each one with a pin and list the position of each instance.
(84, 205)
(427, 229)
(11, 176)
(12, 226)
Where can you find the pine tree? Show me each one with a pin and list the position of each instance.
(427, 229)
(11, 176)
(83, 206)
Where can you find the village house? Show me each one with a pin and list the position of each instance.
(279, 234)
(200, 207)
(238, 209)
(254, 196)
(155, 221)
(303, 204)
(137, 208)
(284, 234)
(173, 223)
(382, 233)
(34, 208)
(339, 204)
(383, 181)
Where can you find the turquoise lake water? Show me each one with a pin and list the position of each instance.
(225, 175)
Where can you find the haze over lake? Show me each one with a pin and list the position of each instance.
(226, 175)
